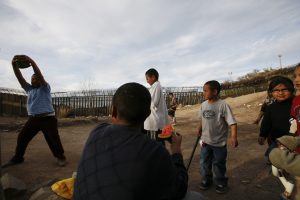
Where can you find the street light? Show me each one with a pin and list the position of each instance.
(279, 56)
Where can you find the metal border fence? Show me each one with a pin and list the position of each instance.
(13, 102)
(85, 103)
(99, 102)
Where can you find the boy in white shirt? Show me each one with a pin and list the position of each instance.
(159, 113)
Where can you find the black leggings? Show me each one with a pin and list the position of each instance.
(48, 125)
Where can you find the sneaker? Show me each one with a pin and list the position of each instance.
(13, 161)
(204, 185)
(61, 162)
(221, 189)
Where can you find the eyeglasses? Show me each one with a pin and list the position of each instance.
(282, 90)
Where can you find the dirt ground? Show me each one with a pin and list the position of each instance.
(249, 176)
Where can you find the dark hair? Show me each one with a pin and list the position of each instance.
(171, 93)
(298, 65)
(274, 78)
(281, 80)
(214, 85)
(152, 72)
(132, 101)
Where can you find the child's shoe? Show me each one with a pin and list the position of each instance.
(204, 185)
(221, 189)
(13, 161)
(61, 162)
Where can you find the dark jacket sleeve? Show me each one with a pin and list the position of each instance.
(168, 176)
(181, 180)
(264, 107)
(266, 123)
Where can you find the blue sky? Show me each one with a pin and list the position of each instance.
(103, 44)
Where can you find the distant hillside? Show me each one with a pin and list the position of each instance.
(257, 77)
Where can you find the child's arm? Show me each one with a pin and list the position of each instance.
(156, 96)
(36, 70)
(265, 127)
(200, 129)
(233, 138)
(18, 73)
(260, 115)
(229, 118)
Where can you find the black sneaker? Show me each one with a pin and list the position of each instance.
(204, 185)
(13, 161)
(221, 189)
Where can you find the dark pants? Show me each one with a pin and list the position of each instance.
(213, 164)
(272, 145)
(48, 125)
(171, 112)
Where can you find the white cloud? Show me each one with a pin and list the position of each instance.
(113, 42)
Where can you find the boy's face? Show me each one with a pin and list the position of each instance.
(150, 79)
(208, 93)
(281, 93)
(35, 81)
(297, 78)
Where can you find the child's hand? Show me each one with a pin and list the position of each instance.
(261, 140)
(176, 143)
(234, 142)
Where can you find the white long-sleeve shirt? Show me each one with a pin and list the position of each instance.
(159, 113)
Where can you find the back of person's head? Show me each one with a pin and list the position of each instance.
(281, 80)
(132, 102)
(214, 85)
(152, 72)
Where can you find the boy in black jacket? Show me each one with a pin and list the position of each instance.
(120, 162)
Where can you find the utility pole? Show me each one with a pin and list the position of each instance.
(230, 78)
(1, 188)
(280, 64)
